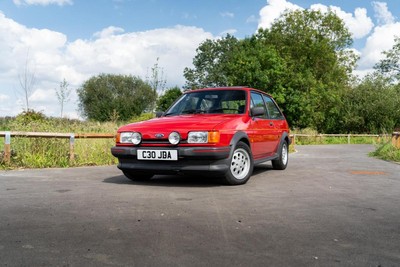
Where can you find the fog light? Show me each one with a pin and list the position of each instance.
(136, 138)
(174, 138)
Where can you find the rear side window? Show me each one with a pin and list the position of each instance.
(273, 111)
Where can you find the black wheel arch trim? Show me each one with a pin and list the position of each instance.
(237, 137)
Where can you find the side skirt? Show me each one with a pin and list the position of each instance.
(262, 160)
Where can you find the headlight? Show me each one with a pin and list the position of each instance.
(131, 137)
(198, 137)
(174, 138)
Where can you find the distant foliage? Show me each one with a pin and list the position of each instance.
(108, 97)
(371, 106)
(169, 96)
(30, 115)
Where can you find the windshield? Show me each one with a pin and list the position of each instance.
(210, 102)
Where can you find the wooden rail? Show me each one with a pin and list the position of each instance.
(71, 136)
(349, 136)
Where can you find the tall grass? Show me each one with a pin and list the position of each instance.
(387, 151)
(54, 152)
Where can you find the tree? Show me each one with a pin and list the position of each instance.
(303, 60)
(63, 94)
(371, 106)
(156, 81)
(166, 100)
(314, 46)
(108, 96)
(390, 65)
(27, 81)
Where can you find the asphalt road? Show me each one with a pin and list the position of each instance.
(333, 206)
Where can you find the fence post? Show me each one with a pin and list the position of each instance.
(71, 148)
(396, 139)
(348, 139)
(7, 147)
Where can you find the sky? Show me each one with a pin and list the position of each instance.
(78, 39)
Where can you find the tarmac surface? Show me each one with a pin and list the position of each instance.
(332, 206)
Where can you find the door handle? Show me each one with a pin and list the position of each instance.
(271, 123)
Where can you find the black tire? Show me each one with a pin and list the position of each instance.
(240, 165)
(283, 158)
(138, 176)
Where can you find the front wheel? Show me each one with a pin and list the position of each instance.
(138, 176)
(282, 161)
(240, 165)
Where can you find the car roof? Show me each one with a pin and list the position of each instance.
(243, 88)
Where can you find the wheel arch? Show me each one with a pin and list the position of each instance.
(239, 137)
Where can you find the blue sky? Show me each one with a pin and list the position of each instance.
(76, 39)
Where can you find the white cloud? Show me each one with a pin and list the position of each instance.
(229, 31)
(359, 24)
(273, 10)
(111, 50)
(43, 2)
(227, 15)
(4, 98)
(251, 19)
(109, 31)
(382, 14)
(381, 39)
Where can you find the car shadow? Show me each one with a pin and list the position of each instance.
(169, 181)
(182, 180)
(262, 168)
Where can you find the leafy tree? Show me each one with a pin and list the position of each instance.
(107, 97)
(303, 60)
(390, 65)
(63, 94)
(314, 46)
(371, 106)
(166, 100)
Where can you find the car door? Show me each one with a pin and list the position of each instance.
(275, 122)
(262, 130)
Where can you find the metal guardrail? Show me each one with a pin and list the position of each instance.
(71, 136)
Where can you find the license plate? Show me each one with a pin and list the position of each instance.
(157, 154)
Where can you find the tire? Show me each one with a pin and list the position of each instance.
(137, 175)
(240, 165)
(283, 158)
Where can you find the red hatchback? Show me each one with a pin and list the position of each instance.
(221, 131)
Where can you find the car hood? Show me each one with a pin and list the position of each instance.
(179, 123)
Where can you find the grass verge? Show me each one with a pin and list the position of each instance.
(387, 152)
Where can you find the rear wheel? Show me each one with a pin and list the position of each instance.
(138, 176)
(240, 165)
(282, 161)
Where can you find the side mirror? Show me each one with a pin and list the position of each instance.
(257, 111)
(159, 114)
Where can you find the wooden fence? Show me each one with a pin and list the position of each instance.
(396, 139)
(72, 136)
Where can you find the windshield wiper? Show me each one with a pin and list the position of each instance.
(193, 111)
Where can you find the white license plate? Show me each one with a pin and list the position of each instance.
(157, 154)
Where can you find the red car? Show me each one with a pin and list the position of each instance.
(220, 131)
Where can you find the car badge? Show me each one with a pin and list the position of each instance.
(159, 135)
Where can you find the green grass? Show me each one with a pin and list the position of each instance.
(387, 152)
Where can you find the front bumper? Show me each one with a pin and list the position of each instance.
(190, 160)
